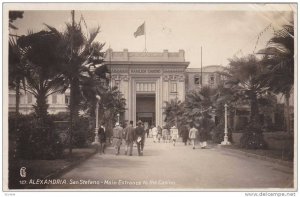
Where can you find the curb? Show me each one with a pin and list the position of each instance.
(265, 158)
(64, 169)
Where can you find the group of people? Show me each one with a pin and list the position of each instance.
(164, 134)
(129, 134)
(193, 135)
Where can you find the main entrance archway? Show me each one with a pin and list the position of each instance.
(145, 109)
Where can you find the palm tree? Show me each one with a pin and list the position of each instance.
(16, 68)
(14, 15)
(243, 80)
(279, 65)
(173, 112)
(198, 104)
(77, 54)
(40, 67)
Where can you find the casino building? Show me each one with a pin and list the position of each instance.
(146, 80)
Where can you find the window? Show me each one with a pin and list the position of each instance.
(197, 80)
(174, 87)
(145, 87)
(211, 80)
(29, 98)
(67, 99)
(117, 83)
(54, 98)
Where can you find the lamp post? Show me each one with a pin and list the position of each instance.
(96, 142)
(225, 142)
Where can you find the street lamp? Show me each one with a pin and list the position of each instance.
(96, 142)
(225, 142)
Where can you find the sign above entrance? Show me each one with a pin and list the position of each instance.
(143, 71)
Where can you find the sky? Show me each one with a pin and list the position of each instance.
(221, 30)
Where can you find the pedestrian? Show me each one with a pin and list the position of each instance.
(165, 134)
(159, 133)
(168, 135)
(202, 138)
(184, 134)
(154, 133)
(147, 132)
(129, 138)
(117, 137)
(193, 135)
(102, 138)
(140, 137)
(174, 134)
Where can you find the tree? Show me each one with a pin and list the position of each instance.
(198, 104)
(77, 54)
(279, 65)
(16, 68)
(243, 79)
(113, 102)
(14, 15)
(40, 68)
(173, 113)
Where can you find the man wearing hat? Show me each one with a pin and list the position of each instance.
(129, 138)
(117, 137)
(140, 137)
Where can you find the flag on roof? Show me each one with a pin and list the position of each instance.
(140, 30)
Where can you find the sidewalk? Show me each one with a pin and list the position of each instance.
(276, 156)
(48, 169)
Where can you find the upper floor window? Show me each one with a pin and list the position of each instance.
(197, 79)
(174, 87)
(117, 84)
(211, 80)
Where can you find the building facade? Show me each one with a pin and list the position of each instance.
(147, 80)
(207, 76)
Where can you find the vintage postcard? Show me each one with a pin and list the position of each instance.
(150, 97)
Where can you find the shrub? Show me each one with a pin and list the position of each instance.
(218, 133)
(32, 138)
(253, 137)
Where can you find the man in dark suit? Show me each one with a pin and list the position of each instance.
(129, 138)
(140, 137)
(102, 138)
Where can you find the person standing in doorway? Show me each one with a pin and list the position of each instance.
(174, 134)
(140, 137)
(102, 138)
(117, 137)
(193, 135)
(129, 138)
